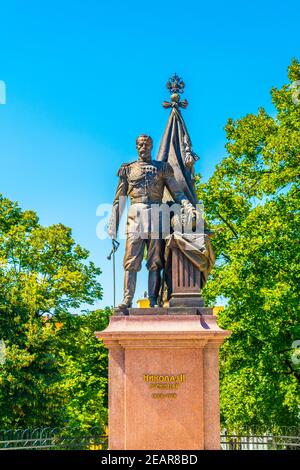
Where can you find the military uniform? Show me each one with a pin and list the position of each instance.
(144, 183)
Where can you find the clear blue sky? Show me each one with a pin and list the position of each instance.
(84, 78)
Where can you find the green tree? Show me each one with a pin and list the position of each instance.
(252, 202)
(84, 362)
(42, 271)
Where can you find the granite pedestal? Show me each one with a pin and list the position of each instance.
(164, 379)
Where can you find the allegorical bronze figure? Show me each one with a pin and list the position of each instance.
(196, 248)
(144, 182)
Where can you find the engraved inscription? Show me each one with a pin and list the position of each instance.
(164, 383)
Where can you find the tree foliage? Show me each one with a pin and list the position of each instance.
(84, 362)
(44, 274)
(252, 202)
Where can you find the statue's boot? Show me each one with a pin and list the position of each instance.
(129, 290)
(154, 281)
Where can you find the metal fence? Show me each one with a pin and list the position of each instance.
(74, 439)
(52, 439)
(285, 438)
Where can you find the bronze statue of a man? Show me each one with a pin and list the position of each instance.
(144, 182)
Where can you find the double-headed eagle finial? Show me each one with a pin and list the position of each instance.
(175, 85)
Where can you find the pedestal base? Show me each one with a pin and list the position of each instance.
(163, 380)
(186, 300)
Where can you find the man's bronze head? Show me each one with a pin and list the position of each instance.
(144, 144)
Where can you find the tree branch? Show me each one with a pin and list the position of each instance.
(226, 257)
(228, 225)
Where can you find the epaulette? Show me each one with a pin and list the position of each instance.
(123, 170)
